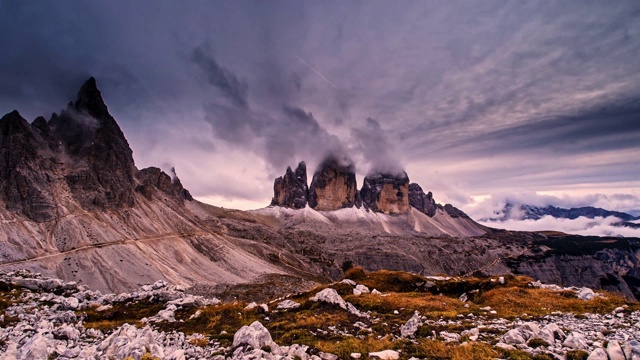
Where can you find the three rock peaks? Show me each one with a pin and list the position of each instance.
(334, 187)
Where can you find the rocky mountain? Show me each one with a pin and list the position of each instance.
(334, 187)
(291, 189)
(386, 193)
(74, 206)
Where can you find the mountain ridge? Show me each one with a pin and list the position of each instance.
(74, 206)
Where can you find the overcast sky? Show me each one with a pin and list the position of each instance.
(478, 101)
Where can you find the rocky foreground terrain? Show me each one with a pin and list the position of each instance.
(379, 315)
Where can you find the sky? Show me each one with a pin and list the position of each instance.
(480, 102)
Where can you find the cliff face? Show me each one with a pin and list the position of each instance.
(27, 168)
(333, 186)
(291, 189)
(82, 153)
(603, 263)
(386, 193)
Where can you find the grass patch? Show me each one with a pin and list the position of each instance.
(576, 355)
(512, 302)
(433, 349)
(388, 281)
(429, 305)
(344, 347)
(119, 314)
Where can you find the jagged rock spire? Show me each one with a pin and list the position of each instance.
(386, 193)
(421, 201)
(291, 189)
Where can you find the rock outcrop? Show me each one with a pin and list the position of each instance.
(81, 152)
(152, 178)
(102, 171)
(333, 186)
(26, 169)
(421, 201)
(291, 189)
(386, 193)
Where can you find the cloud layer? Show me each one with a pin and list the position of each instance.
(471, 99)
(581, 226)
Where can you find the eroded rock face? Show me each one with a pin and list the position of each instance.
(102, 176)
(82, 152)
(333, 186)
(386, 193)
(291, 189)
(154, 178)
(25, 169)
(421, 201)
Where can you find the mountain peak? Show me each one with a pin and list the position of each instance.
(333, 185)
(291, 189)
(387, 193)
(90, 100)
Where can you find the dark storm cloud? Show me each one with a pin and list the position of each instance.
(372, 143)
(229, 84)
(614, 126)
(282, 137)
(477, 91)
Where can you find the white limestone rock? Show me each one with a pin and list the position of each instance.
(614, 351)
(586, 294)
(576, 341)
(254, 335)
(287, 305)
(331, 296)
(598, 354)
(360, 289)
(385, 355)
(513, 337)
(411, 326)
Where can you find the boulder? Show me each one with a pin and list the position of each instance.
(36, 347)
(287, 304)
(598, 354)
(254, 335)
(385, 355)
(576, 341)
(614, 351)
(411, 326)
(586, 294)
(331, 296)
(360, 289)
(513, 337)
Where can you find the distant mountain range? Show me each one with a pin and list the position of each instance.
(530, 212)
